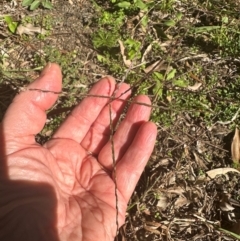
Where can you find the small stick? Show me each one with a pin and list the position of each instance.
(99, 96)
(114, 165)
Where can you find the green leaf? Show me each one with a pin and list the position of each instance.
(230, 233)
(47, 4)
(26, 3)
(13, 26)
(124, 4)
(140, 4)
(35, 5)
(205, 29)
(171, 74)
(157, 90)
(170, 23)
(130, 42)
(158, 75)
(180, 83)
(225, 19)
(144, 21)
(101, 58)
(8, 19)
(179, 16)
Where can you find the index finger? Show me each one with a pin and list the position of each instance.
(80, 120)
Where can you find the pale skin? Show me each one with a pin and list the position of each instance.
(64, 190)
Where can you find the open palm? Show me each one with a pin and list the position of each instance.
(64, 190)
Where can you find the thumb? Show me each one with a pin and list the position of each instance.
(26, 115)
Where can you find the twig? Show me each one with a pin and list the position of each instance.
(114, 166)
(205, 220)
(192, 57)
(112, 98)
(229, 122)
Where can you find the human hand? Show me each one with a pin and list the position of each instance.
(63, 190)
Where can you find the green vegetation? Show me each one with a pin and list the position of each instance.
(34, 4)
(223, 37)
(12, 26)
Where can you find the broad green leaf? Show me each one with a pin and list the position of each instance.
(26, 3)
(179, 16)
(12, 27)
(170, 23)
(124, 4)
(157, 90)
(180, 83)
(35, 5)
(144, 21)
(101, 58)
(225, 19)
(47, 4)
(171, 74)
(161, 33)
(8, 19)
(140, 4)
(158, 75)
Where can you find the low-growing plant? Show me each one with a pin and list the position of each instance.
(104, 38)
(34, 4)
(12, 25)
(133, 48)
(142, 5)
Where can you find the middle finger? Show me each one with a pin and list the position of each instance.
(99, 132)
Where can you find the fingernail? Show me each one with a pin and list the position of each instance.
(46, 69)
